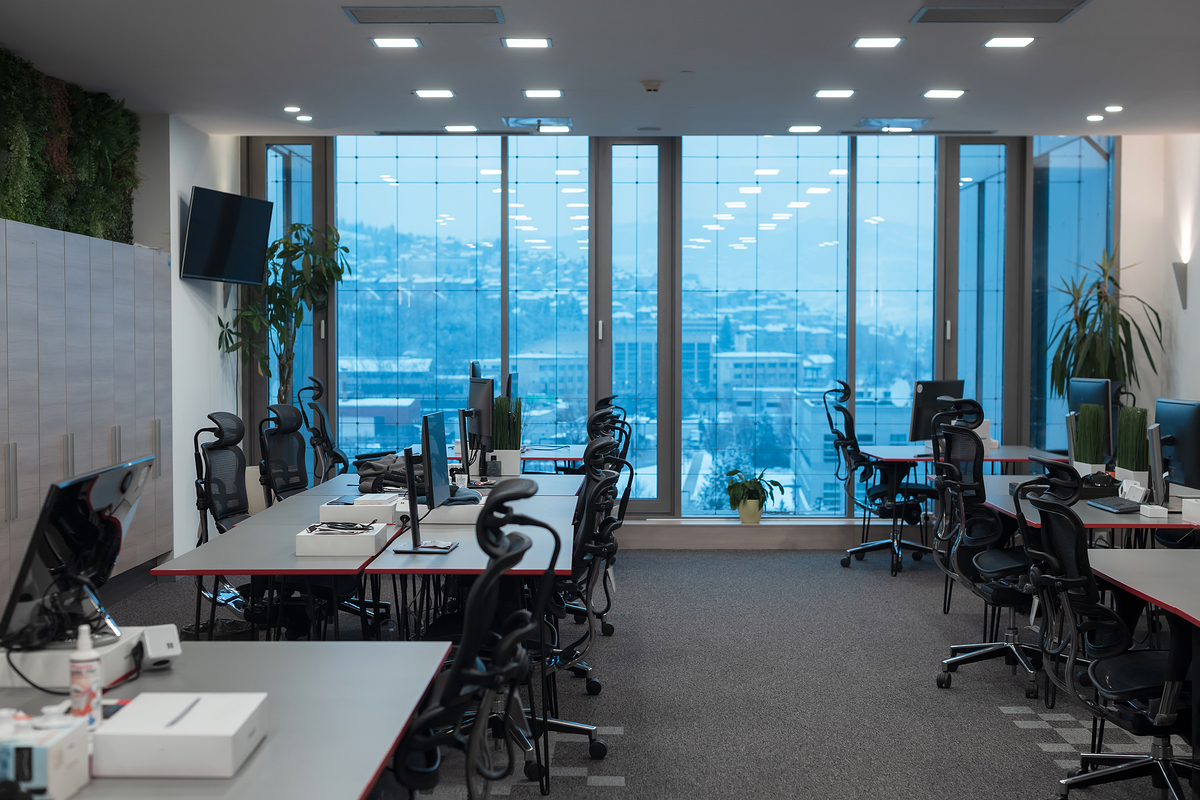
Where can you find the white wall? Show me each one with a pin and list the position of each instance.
(204, 380)
(1160, 224)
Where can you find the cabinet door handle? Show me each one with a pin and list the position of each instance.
(69, 455)
(158, 448)
(116, 444)
(12, 481)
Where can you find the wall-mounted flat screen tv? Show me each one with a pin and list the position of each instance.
(226, 237)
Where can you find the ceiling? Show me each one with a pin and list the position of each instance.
(746, 67)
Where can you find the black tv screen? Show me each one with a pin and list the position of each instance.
(226, 237)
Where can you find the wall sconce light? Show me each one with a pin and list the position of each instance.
(1181, 281)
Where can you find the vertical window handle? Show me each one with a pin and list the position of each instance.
(947, 330)
(600, 329)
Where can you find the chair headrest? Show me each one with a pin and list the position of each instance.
(230, 429)
(596, 454)
(604, 402)
(318, 387)
(489, 527)
(287, 418)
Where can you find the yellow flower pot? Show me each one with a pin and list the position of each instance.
(750, 511)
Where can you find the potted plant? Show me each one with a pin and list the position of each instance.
(506, 434)
(1095, 333)
(1089, 439)
(301, 268)
(747, 496)
(1133, 448)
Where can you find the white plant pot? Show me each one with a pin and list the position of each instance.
(750, 511)
(510, 461)
(1084, 468)
(1143, 478)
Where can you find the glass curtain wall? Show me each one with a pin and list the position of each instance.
(764, 315)
(894, 309)
(290, 189)
(1072, 225)
(548, 285)
(981, 237)
(421, 217)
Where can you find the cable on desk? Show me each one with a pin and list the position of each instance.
(24, 677)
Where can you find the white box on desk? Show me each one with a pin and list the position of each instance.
(364, 511)
(1191, 509)
(364, 543)
(180, 735)
(465, 514)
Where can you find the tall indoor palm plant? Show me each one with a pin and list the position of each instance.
(1095, 335)
(301, 268)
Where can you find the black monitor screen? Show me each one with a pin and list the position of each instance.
(1180, 419)
(226, 238)
(925, 406)
(510, 387)
(74, 548)
(433, 457)
(480, 402)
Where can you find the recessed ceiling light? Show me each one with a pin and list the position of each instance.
(304, 118)
(839, 172)
(543, 92)
(1114, 109)
(490, 172)
(766, 172)
(461, 128)
(553, 129)
(895, 129)
(526, 42)
(396, 42)
(1018, 41)
(566, 172)
(1095, 117)
(426, 93)
(804, 129)
(944, 94)
(834, 93)
(292, 109)
(869, 42)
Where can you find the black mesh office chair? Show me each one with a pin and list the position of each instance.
(1088, 654)
(886, 494)
(281, 470)
(221, 495)
(982, 558)
(966, 413)
(485, 667)
(328, 458)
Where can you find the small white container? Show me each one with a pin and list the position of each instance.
(1153, 512)
(365, 543)
(367, 508)
(180, 735)
(1191, 509)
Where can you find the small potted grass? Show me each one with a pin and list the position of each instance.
(1133, 447)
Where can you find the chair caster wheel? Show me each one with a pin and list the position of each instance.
(607, 628)
(846, 562)
(580, 619)
(943, 680)
(533, 770)
(859, 556)
(597, 749)
(594, 686)
(1031, 691)
(917, 556)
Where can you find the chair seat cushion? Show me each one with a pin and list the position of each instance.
(1133, 675)
(999, 563)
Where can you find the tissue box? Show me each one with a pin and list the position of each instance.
(367, 507)
(366, 543)
(1191, 509)
(50, 763)
(180, 735)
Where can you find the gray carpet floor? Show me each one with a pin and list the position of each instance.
(780, 674)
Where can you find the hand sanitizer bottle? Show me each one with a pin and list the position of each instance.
(86, 688)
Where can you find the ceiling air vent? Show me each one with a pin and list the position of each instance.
(1016, 11)
(425, 16)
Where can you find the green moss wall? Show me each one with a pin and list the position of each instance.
(68, 158)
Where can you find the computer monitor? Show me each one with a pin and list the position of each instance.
(1099, 392)
(480, 402)
(925, 405)
(1158, 481)
(72, 554)
(476, 370)
(1178, 422)
(433, 459)
(510, 386)
(414, 513)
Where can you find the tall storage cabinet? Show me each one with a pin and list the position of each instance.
(85, 362)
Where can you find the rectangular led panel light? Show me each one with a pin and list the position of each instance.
(427, 93)
(804, 129)
(1010, 41)
(525, 42)
(461, 128)
(834, 93)
(543, 93)
(396, 42)
(877, 42)
(944, 94)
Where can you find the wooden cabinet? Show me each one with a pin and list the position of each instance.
(85, 366)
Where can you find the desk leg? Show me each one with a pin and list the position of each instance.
(212, 611)
(199, 602)
(1195, 714)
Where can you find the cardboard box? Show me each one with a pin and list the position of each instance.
(366, 543)
(50, 763)
(1191, 509)
(367, 508)
(180, 735)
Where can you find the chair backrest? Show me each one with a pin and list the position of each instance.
(958, 452)
(224, 471)
(282, 467)
(1066, 542)
(845, 441)
(335, 458)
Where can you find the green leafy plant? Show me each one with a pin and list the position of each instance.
(1089, 434)
(1094, 334)
(1133, 448)
(753, 488)
(506, 424)
(301, 268)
